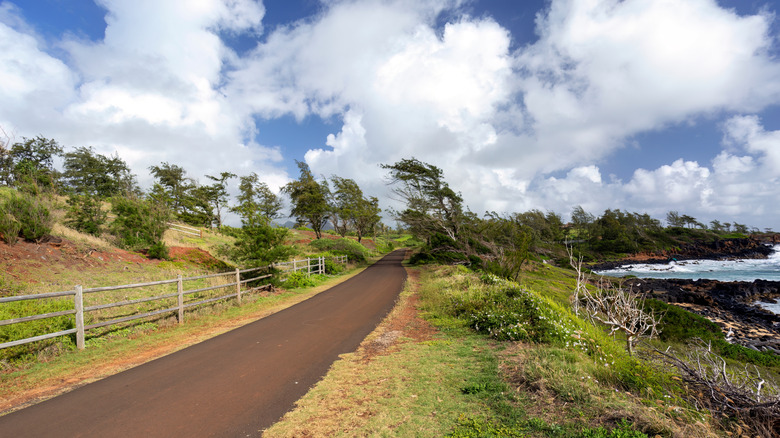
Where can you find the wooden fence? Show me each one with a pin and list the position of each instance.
(78, 293)
(185, 229)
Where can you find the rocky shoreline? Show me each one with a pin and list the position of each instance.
(732, 304)
(724, 249)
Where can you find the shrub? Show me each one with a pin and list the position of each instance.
(139, 224)
(333, 268)
(297, 280)
(680, 325)
(9, 227)
(85, 215)
(158, 250)
(32, 218)
(511, 314)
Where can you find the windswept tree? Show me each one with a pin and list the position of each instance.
(431, 205)
(89, 173)
(31, 164)
(309, 199)
(256, 200)
(190, 202)
(352, 208)
(217, 194)
(170, 186)
(674, 219)
(581, 220)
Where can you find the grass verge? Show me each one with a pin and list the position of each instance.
(454, 382)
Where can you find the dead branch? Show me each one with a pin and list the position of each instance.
(621, 310)
(736, 393)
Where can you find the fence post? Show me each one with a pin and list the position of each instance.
(322, 265)
(79, 305)
(238, 286)
(180, 291)
(308, 265)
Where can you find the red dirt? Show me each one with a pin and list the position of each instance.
(29, 262)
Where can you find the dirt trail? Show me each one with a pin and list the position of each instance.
(235, 384)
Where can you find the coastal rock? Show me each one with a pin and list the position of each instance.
(731, 304)
(743, 248)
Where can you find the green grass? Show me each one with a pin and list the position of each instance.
(465, 384)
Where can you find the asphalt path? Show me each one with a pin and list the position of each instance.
(236, 384)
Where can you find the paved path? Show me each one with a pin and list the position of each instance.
(235, 384)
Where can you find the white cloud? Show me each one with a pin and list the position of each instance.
(150, 90)
(163, 86)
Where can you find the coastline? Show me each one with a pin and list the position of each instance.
(730, 304)
(725, 249)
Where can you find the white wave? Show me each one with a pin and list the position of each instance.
(724, 270)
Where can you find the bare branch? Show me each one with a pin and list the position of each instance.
(621, 310)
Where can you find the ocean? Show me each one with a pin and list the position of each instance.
(722, 270)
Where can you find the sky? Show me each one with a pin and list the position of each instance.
(640, 105)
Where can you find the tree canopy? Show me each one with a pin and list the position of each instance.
(309, 199)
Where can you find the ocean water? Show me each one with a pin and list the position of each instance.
(722, 270)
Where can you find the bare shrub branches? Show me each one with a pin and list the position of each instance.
(622, 310)
(736, 393)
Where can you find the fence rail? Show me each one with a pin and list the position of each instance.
(316, 265)
(185, 229)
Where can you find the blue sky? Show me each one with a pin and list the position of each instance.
(643, 105)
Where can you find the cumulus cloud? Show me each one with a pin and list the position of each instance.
(149, 91)
(512, 130)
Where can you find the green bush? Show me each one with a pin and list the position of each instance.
(333, 268)
(680, 325)
(85, 215)
(298, 280)
(9, 227)
(510, 314)
(28, 215)
(158, 250)
(139, 224)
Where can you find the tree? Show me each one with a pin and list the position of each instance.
(139, 223)
(366, 216)
(674, 219)
(581, 220)
(621, 310)
(190, 202)
(716, 226)
(309, 199)
(217, 194)
(33, 163)
(509, 243)
(255, 200)
(431, 205)
(6, 160)
(170, 185)
(352, 209)
(89, 173)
